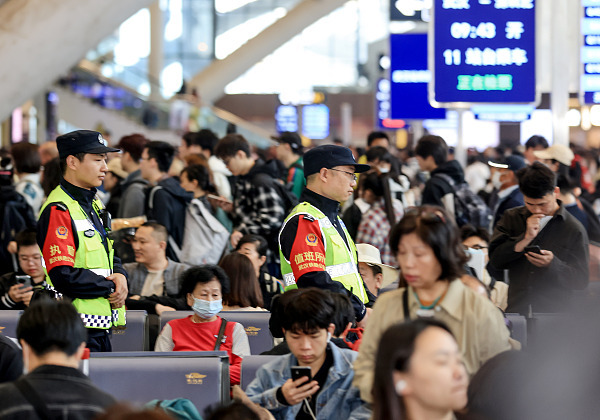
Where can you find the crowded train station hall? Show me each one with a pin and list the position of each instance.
(300, 209)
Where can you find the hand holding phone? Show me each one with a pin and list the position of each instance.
(300, 371)
(300, 386)
(24, 281)
(533, 248)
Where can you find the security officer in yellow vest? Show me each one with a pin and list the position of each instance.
(72, 234)
(314, 245)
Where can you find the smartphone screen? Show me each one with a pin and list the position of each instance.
(300, 371)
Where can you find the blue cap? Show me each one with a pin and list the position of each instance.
(512, 162)
(82, 141)
(329, 156)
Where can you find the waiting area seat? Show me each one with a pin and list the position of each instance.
(134, 336)
(256, 324)
(139, 377)
(518, 328)
(8, 322)
(251, 364)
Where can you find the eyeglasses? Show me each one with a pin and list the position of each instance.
(354, 178)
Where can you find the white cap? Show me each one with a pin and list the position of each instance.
(368, 254)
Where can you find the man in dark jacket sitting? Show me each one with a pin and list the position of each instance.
(53, 339)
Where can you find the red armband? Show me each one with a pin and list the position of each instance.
(59, 246)
(308, 250)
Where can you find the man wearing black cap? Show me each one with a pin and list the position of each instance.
(72, 233)
(506, 194)
(290, 151)
(315, 247)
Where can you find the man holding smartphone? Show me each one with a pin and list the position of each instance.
(544, 248)
(16, 289)
(315, 380)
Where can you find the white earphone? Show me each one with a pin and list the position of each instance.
(400, 386)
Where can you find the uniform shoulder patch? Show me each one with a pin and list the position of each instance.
(309, 218)
(60, 206)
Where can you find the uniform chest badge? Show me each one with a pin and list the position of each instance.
(89, 233)
(62, 232)
(312, 240)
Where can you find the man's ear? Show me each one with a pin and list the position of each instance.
(323, 174)
(240, 154)
(162, 244)
(378, 280)
(263, 259)
(79, 352)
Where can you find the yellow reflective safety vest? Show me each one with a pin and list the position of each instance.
(340, 261)
(90, 254)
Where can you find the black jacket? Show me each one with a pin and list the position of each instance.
(514, 199)
(68, 394)
(168, 208)
(436, 187)
(546, 289)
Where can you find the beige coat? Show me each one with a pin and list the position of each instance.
(477, 324)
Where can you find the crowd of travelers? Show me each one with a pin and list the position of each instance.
(390, 276)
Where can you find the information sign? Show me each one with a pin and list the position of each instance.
(590, 52)
(409, 78)
(315, 121)
(482, 51)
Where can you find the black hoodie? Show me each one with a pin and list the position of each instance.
(437, 187)
(168, 208)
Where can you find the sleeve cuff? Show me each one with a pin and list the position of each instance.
(280, 398)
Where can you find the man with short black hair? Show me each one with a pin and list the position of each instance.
(166, 200)
(203, 142)
(133, 187)
(542, 278)
(533, 144)
(53, 338)
(257, 206)
(290, 151)
(152, 273)
(432, 154)
(15, 294)
(73, 236)
(327, 392)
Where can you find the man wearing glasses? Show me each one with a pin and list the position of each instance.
(315, 247)
(16, 289)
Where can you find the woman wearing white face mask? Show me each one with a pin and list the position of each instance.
(419, 373)
(203, 287)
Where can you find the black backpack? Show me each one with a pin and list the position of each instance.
(469, 208)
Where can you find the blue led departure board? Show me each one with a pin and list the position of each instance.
(409, 77)
(482, 51)
(590, 52)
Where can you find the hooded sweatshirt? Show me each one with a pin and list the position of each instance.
(168, 208)
(437, 187)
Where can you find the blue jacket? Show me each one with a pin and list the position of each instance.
(338, 399)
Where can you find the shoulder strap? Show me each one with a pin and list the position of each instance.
(405, 305)
(151, 198)
(221, 332)
(447, 178)
(33, 398)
